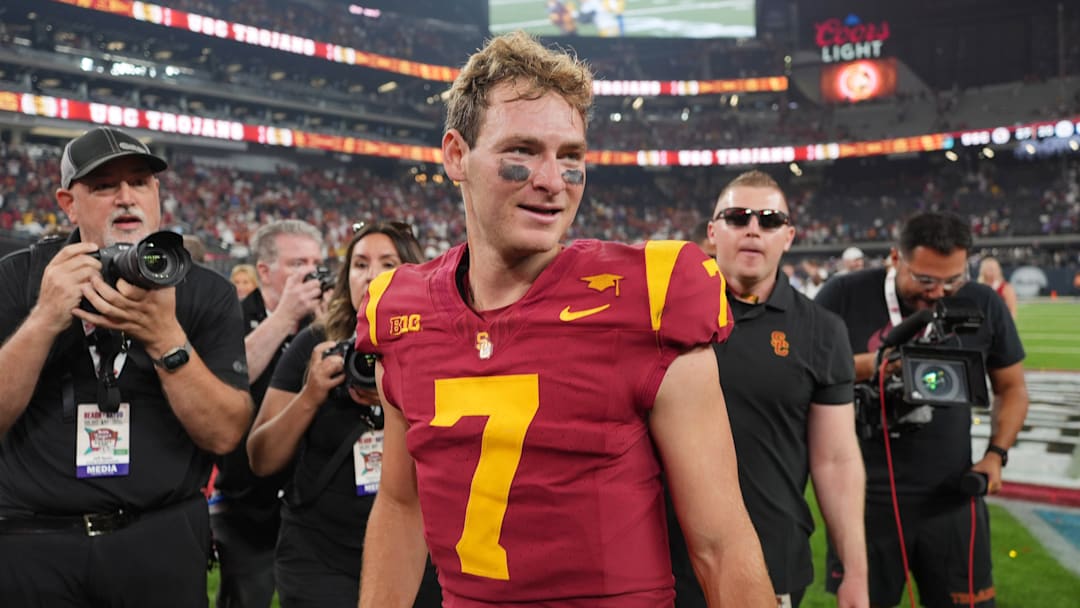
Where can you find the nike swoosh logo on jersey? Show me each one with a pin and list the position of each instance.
(569, 315)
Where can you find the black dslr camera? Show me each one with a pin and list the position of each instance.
(323, 275)
(157, 261)
(359, 368)
(934, 371)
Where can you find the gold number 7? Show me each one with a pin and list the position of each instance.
(509, 403)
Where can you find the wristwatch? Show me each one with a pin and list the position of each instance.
(174, 358)
(1002, 452)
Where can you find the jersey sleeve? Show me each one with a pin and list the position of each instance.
(687, 296)
(375, 330)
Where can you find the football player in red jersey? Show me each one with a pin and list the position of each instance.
(533, 390)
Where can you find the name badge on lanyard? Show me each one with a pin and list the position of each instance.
(102, 441)
(367, 462)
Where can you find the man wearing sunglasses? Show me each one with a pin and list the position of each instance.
(791, 406)
(931, 262)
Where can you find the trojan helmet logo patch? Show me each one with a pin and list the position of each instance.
(603, 282)
(779, 343)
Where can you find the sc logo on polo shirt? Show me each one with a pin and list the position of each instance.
(779, 343)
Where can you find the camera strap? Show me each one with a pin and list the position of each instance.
(108, 349)
(327, 473)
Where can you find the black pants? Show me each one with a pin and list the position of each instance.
(314, 571)
(938, 543)
(245, 548)
(158, 560)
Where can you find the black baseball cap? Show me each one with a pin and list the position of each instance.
(99, 146)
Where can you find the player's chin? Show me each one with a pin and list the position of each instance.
(534, 241)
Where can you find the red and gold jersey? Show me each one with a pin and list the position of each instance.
(538, 480)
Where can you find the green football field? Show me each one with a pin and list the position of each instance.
(1050, 331)
(641, 18)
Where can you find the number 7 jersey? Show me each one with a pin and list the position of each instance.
(537, 478)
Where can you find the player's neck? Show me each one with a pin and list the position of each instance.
(496, 281)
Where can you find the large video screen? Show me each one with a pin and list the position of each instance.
(626, 18)
(857, 81)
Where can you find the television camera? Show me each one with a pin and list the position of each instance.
(934, 371)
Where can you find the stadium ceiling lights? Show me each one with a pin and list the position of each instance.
(952, 156)
(386, 87)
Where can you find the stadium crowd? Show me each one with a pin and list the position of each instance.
(862, 202)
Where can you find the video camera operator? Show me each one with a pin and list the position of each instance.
(929, 459)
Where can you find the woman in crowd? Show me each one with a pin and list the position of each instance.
(245, 279)
(332, 430)
(990, 274)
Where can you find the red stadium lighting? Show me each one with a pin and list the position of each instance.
(858, 80)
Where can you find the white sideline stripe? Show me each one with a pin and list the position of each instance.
(1066, 554)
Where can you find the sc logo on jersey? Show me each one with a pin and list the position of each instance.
(404, 324)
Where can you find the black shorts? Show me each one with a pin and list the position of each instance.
(938, 547)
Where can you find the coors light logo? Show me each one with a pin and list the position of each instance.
(850, 39)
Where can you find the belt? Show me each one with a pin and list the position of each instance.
(92, 524)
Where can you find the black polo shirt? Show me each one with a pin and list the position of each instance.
(240, 487)
(782, 356)
(928, 461)
(37, 455)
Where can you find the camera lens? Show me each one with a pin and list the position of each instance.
(159, 260)
(940, 381)
(156, 263)
(935, 380)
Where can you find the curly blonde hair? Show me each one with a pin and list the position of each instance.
(519, 58)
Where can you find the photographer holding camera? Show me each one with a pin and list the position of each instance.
(329, 420)
(115, 396)
(244, 510)
(930, 458)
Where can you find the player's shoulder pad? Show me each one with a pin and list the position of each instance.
(679, 276)
(394, 300)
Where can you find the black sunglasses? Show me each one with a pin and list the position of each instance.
(768, 219)
(401, 227)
